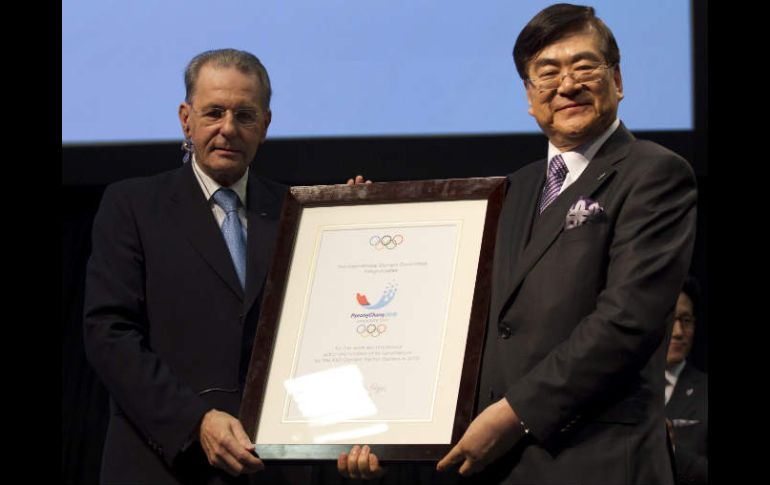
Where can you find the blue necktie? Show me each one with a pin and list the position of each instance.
(232, 230)
(557, 172)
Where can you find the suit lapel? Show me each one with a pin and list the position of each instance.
(262, 211)
(196, 220)
(681, 398)
(513, 228)
(551, 221)
(523, 196)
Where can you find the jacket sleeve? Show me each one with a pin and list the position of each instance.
(116, 329)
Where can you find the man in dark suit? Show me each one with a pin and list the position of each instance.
(687, 393)
(593, 245)
(174, 284)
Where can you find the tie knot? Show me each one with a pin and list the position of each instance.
(558, 167)
(226, 199)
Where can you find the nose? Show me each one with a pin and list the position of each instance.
(677, 330)
(568, 84)
(228, 125)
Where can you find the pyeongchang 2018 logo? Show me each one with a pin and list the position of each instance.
(374, 323)
(386, 242)
(387, 296)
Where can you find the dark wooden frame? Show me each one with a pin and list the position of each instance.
(490, 188)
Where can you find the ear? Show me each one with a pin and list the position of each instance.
(527, 89)
(618, 78)
(184, 119)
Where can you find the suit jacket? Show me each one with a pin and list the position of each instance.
(688, 411)
(578, 317)
(167, 326)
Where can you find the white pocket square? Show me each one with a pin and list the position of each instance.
(679, 423)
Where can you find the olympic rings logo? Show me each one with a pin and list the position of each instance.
(371, 330)
(386, 241)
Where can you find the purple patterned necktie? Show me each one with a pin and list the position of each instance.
(557, 171)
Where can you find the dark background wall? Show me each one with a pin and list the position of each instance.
(86, 170)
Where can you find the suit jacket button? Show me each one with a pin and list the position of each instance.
(504, 331)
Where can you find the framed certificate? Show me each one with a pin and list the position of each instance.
(373, 319)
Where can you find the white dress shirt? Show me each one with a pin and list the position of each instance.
(209, 186)
(578, 159)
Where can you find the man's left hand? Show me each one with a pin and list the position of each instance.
(495, 431)
(358, 179)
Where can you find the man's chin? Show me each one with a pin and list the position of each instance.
(579, 134)
(572, 138)
(674, 359)
(224, 171)
(228, 156)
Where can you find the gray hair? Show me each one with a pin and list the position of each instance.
(245, 62)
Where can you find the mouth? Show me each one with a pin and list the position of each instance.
(571, 106)
(226, 150)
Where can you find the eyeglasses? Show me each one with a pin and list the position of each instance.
(685, 320)
(213, 115)
(551, 78)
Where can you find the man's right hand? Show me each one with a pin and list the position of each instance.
(226, 444)
(360, 463)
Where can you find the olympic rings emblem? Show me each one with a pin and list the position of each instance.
(371, 330)
(386, 241)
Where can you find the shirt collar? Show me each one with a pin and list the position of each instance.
(673, 371)
(577, 159)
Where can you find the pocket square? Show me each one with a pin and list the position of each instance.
(582, 212)
(680, 423)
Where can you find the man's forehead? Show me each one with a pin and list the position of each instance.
(684, 303)
(213, 79)
(586, 40)
(572, 57)
(213, 68)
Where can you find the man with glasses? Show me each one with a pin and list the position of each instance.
(174, 285)
(687, 393)
(592, 246)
